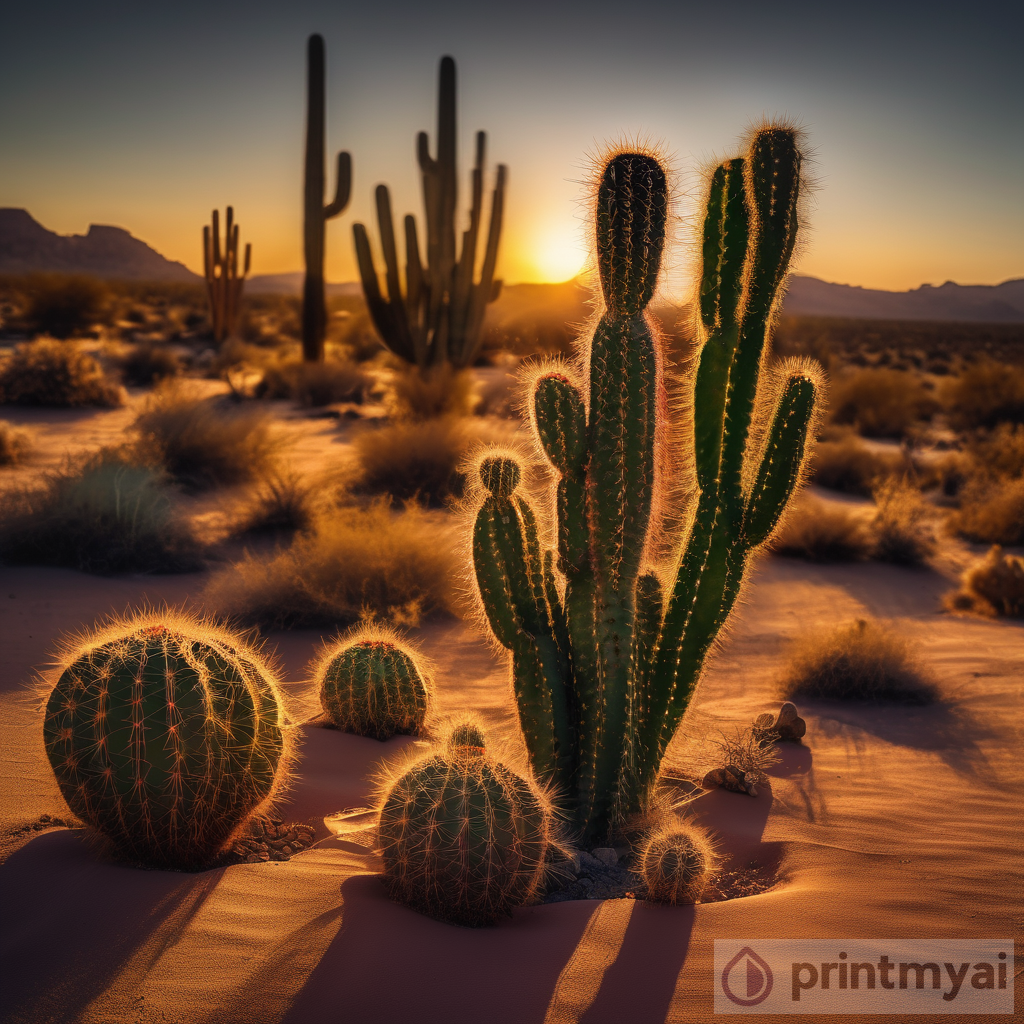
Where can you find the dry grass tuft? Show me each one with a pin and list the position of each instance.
(313, 385)
(849, 466)
(985, 394)
(991, 512)
(882, 402)
(102, 515)
(993, 586)
(353, 564)
(415, 394)
(14, 444)
(821, 532)
(202, 445)
(902, 526)
(56, 373)
(750, 751)
(146, 364)
(281, 503)
(864, 661)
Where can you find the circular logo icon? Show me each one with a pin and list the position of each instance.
(746, 978)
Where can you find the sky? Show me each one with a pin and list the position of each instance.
(147, 116)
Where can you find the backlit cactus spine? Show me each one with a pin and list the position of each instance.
(370, 685)
(440, 317)
(314, 303)
(167, 736)
(604, 660)
(463, 837)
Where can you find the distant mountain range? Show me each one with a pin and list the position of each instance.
(26, 246)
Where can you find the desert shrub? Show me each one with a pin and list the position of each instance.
(56, 373)
(14, 444)
(146, 364)
(848, 465)
(997, 453)
(823, 532)
(101, 515)
(352, 564)
(315, 384)
(985, 394)
(416, 394)
(418, 460)
(201, 444)
(280, 503)
(881, 403)
(63, 305)
(865, 661)
(902, 526)
(991, 512)
(993, 586)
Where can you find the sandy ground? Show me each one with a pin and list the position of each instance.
(886, 822)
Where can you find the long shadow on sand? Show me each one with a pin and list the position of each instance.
(75, 926)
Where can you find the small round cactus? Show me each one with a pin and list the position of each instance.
(675, 865)
(463, 837)
(370, 684)
(167, 736)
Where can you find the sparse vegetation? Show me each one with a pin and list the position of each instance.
(993, 586)
(281, 503)
(985, 394)
(864, 661)
(148, 363)
(312, 385)
(101, 515)
(991, 511)
(823, 532)
(353, 564)
(902, 526)
(15, 444)
(201, 444)
(56, 373)
(63, 305)
(881, 402)
(415, 394)
(846, 464)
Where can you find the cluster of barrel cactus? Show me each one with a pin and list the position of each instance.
(463, 837)
(608, 643)
(167, 736)
(675, 864)
(370, 684)
(440, 317)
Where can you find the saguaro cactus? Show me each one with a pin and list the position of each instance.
(441, 315)
(167, 736)
(224, 280)
(606, 645)
(314, 307)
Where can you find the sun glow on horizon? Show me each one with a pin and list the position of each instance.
(554, 255)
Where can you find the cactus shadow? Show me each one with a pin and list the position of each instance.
(76, 926)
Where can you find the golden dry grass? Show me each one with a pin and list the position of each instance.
(15, 444)
(985, 394)
(415, 394)
(881, 402)
(146, 364)
(993, 586)
(991, 512)
(847, 465)
(823, 532)
(280, 503)
(352, 564)
(58, 374)
(864, 661)
(903, 525)
(313, 385)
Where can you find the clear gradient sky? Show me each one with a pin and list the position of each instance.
(146, 116)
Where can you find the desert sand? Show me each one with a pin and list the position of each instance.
(886, 821)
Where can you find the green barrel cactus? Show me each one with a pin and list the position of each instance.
(167, 736)
(675, 865)
(608, 641)
(371, 685)
(463, 837)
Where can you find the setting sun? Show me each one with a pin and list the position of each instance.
(556, 255)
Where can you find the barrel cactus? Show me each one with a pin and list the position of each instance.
(675, 865)
(370, 684)
(463, 837)
(167, 736)
(607, 639)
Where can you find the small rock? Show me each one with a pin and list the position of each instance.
(606, 855)
(733, 779)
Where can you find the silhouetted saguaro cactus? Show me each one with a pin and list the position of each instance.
(440, 316)
(603, 659)
(224, 278)
(314, 307)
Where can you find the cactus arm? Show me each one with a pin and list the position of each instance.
(466, 266)
(342, 187)
(380, 310)
(403, 340)
(487, 289)
(413, 278)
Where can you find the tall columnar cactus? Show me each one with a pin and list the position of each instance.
(225, 274)
(314, 306)
(463, 837)
(440, 317)
(167, 736)
(607, 645)
(371, 685)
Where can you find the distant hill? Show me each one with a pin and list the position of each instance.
(999, 303)
(26, 247)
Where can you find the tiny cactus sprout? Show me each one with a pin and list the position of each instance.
(168, 736)
(463, 837)
(370, 684)
(675, 865)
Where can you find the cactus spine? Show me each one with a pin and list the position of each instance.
(463, 837)
(603, 660)
(440, 318)
(674, 865)
(224, 282)
(370, 685)
(314, 305)
(166, 735)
